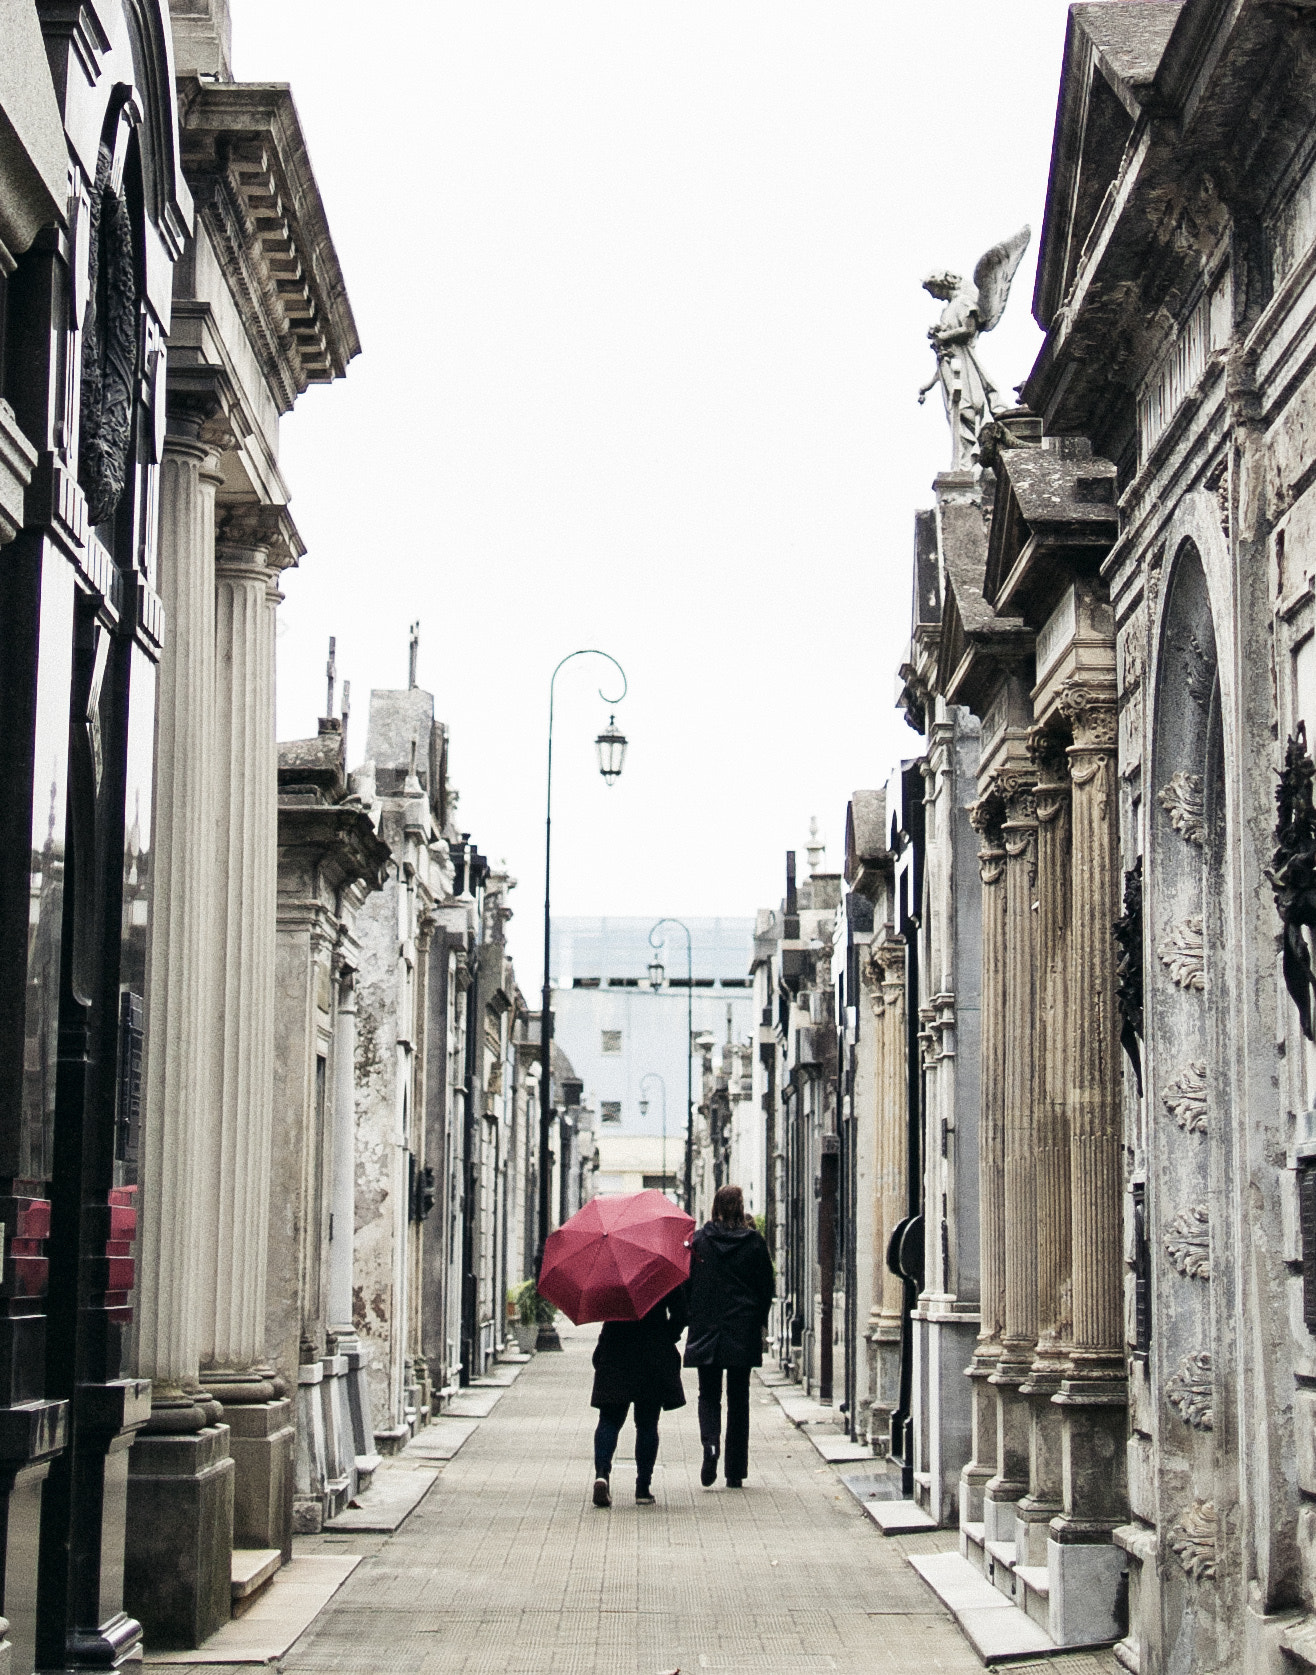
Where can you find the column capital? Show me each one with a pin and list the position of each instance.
(249, 526)
(204, 405)
(1090, 709)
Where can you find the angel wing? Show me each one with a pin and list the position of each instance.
(993, 276)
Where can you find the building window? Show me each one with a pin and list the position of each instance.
(611, 1040)
(610, 1110)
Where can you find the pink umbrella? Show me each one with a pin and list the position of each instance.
(617, 1257)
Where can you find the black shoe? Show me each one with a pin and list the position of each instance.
(708, 1471)
(601, 1495)
(643, 1497)
(735, 1482)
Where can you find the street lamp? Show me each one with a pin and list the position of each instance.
(653, 1076)
(688, 1193)
(611, 747)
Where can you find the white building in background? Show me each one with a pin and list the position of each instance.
(627, 1041)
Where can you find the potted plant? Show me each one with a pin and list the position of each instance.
(532, 1312)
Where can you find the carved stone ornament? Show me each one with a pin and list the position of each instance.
(109, 347)
(1092, 715)
(1185, 1098)
(1183, 954)
(1191, 1391)
(1127, 931)
(1182, 801)
(1192, 1541)
(1292, 872)
(1187, 1243)
(1199, 664)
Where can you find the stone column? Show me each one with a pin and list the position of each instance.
(987, 816)
(180, 1486)
(1019, 1338)
(879, 1413)
(1084, 1567)
(892, 1148)
(1050, 1149)
(237, 1161)
(343, 1339)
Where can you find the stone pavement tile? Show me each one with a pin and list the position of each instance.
(507, 1566)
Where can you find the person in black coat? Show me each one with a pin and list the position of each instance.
(636, 1363)
(732, 1285)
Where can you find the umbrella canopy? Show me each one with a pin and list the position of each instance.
(617, 1257)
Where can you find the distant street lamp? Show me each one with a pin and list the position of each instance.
(611, 747)
(653, 1076)
(656, 964)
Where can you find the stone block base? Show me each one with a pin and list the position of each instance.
(262, 1435)
(180, 1536)
(1083, 1594)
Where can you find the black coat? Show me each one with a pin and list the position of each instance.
(731, 1290)
(637, 1360)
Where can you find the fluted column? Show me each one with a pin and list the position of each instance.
(1019, 1337)
(245, 859)
(177, 1108)
(884, 1334)
(178, 1557)
(1094, 1391)
(343, 1191)
(987, 816)
(1050, 1147)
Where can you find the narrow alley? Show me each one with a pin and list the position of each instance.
(506, 1567)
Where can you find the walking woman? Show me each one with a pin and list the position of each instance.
(731, 1290)
(636, 1364)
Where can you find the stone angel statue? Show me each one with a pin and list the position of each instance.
(969, 394)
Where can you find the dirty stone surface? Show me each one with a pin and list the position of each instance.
(506, 1567)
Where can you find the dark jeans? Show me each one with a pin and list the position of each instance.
(606, 1432)
(735, 1462)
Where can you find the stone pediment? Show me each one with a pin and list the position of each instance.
(246, 162)
(1112, 54)
(1055, 516)
(977, 645)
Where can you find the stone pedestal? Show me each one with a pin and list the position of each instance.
(180, 1518)
(261, 1440)
(308, 1508)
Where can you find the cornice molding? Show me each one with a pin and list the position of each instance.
(246, 162)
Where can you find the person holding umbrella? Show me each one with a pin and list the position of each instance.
(636, 1364)
(625, 1261)
(732, 1285)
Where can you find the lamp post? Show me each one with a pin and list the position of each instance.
(655, 965)
(611, 747)
(653, 1076)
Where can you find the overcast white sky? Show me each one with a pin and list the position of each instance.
(637, 283)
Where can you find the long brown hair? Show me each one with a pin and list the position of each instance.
(729, 1207)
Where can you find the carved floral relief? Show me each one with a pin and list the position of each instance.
(1183, 954)
(1185, 1098)
(1190, 1392)
(1182, 801)
(1187, 1243)
(1192, 1540)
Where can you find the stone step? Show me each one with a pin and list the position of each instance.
(1033, 1593)
(998, 1567)
(998, 1631)
(899, 1517)
(251, 1570)
(393, 1496)
(972, 1544)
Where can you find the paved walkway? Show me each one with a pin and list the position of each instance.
(507, 1569)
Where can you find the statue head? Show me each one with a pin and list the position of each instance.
(943, 284)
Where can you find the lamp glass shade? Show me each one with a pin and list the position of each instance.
(611, 746)
(657, 974)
